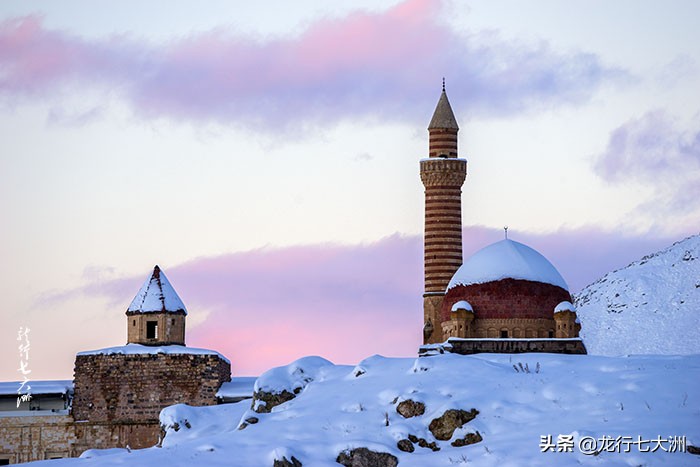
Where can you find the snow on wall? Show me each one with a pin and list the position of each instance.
(132, 349)
(507, 259)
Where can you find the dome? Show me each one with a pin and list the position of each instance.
(507, 259)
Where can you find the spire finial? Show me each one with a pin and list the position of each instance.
(443, 84)
(505, 229)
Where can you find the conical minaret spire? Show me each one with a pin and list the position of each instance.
(443, 129)
(442, 174)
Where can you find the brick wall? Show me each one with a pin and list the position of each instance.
(507, 298)
(134, 388)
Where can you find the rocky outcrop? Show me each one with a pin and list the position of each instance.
(469, 438)
(410, 408)
(444, 426)
(284, 462)
(363, 457)
(263, 402)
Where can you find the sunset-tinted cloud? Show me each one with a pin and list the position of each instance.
(269, 306)
(378, 65)
(655, 152)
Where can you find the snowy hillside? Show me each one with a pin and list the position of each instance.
(485, 410)
(650, 307)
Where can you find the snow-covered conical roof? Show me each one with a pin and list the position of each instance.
(157, 295)
(507, 260)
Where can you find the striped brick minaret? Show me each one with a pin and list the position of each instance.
(443, 174)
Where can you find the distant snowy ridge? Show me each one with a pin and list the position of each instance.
(651, 306)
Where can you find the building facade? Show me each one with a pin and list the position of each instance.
(117, 393)
(507, 290)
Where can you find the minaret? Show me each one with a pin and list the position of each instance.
(442, 174)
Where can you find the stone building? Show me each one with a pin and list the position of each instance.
(505, 291)
(118, 392)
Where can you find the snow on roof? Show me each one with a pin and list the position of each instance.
(138, 349)
(156, 294)
(564, 306)
(38, 387)
(507, 259)
(462, 305)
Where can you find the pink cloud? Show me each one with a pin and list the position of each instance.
(344, 302)
(385, 64)
(654, 151)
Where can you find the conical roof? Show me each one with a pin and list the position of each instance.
(157, 295)
(443, 117)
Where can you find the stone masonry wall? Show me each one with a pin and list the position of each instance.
(134, 388)
(28, 438)
(472, 346)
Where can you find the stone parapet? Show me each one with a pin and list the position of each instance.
(474, 346)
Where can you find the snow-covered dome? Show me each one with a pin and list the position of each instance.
(507, 259)
(564, 306)
(462, 305)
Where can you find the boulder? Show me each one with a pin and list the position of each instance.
(363, 457)
(271, 400)
(444, 426)
(405, 445)
(469, 438)
(410, 408)
(284, 462)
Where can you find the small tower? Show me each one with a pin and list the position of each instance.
(156, 316)
(442, 174)
(567, 323)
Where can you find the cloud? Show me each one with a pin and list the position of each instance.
(269, 306)
(384, 65)
(653, 151)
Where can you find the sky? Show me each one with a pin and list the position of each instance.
(266, 157)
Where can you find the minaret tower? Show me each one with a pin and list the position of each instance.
(442, 174)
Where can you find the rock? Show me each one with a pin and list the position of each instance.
(413, 438)
(410, 408)
(284, 462)
(271, 400)
(424, 444)
(363, 457)
(405, 445)
(444, 426)
(693, 449)
(248, 421)
(469, 438)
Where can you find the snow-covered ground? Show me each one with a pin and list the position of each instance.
(651, 306)
(521, 400)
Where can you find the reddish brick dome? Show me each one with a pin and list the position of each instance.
(507, 280)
